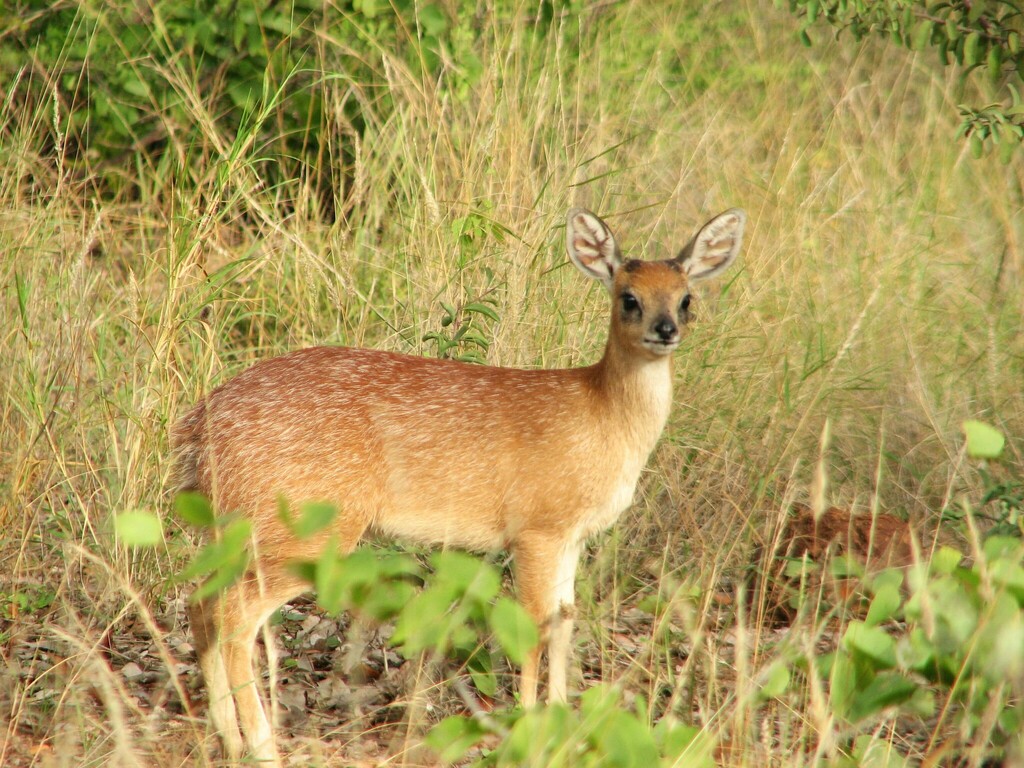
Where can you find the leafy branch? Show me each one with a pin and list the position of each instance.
(976, 35)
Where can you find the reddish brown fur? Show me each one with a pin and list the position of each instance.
(880, 541)
(284, 418)
(440, 452)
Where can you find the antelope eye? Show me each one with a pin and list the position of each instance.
(629, 302)
(685, 303)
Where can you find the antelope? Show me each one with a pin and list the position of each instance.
(544, 458)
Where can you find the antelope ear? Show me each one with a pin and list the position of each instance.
(715, 247)
(592, 246)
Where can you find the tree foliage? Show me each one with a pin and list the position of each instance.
(979, 36)
(120, 81)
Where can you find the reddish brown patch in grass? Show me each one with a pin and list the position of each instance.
(880, 541)
(876, 542)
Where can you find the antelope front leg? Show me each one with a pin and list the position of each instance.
(545, 579)
(560, 633)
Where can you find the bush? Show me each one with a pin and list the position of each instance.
(976, 35)
(140, 82)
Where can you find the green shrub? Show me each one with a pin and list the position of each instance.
(973, 34)
(140, 81)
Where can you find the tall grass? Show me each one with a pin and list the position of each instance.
(880, 293)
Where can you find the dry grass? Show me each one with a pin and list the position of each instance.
(881, 292)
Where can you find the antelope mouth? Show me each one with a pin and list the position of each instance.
(661, 346)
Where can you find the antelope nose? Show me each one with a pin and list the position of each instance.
(665, 329)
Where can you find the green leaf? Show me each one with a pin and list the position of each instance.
(952, 31)
(223, 561)
(922, 703)
(223, 577)
(136, 87)
(304, 569)
(775, 681)
(516, 631)
(922, 35)
(945, 560)
(392, 564)
(449, 313)
(383, 604)
(329, 581)
(977, 145)
(433, 20)
(889, 577)
(683, 745)
(471, 66)
(138, 528)
(1002, 547)
(955, 612)
(537, 732)
(619, 737)
(1007, 151)
(425, 623)
(454, 736)
(482, 672)
(943, 51)
(842, 683)
(314, 516)
(370, 8)
(871, 751)
(983, 440)
(372, 585)
(194, 508)
(973, 49)
(845, 566)
(1000, 641)
(995, 62)
(871, 643)
(884, 605)
(482, 309)
(597, 701)
(797, 569)
(462, 573)
(1010, 576)
(886, 690)
(916, 651)
(622, 740)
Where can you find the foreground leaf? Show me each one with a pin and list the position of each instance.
(138, 528)
(983, 440)
(454, 736)
(514, 629)
(194, 508)
(886, 690)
